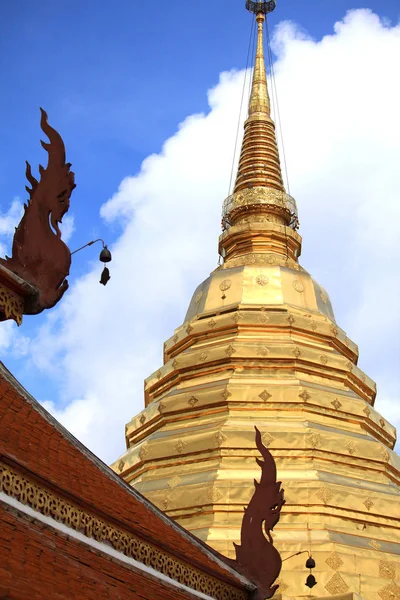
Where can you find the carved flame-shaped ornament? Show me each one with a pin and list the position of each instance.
(39, 256)
(256, 555)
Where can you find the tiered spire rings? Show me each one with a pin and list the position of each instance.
(259, 195)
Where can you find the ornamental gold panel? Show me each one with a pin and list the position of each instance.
(11, 304)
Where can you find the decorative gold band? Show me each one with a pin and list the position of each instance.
(11, 304)
(260, 197)
(44, 501)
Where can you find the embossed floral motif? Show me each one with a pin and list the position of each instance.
(142, 419)
(351, 447)
(298, 286)
(334, 330)
(323, 359)
(325, 494)
(213, 495)
(121, 465)
(267, 439)
(334, 561)
(220, 438)
(225, 285)
(161, 407)
(350, 365)
(174, 482)
(265, 396)
(263, 351)
(189, 329)
(368, 503)
(336, 585)
(203, 356)
(304, 395)
(314, 439)
(212, 323)
(366, 411)
(385, 454)
(230, 350)
(390, 592)
(159, 374)
(263, 317)
(387, 570)
(226, 393)
(296, 352)
(175, 338)
(236, 317)
(291, 319)
(175, 363)
(192, 401)
(336, 404)
(165, 502)
(180, 446)
(143, 452)
(313, 325)
(382, 422)
(262, 280)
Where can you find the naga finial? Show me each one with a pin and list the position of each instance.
(256, 553)
(39, 256)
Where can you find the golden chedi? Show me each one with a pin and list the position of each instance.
(260, 347)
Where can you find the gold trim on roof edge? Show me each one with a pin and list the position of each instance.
(27, 492)
(11, 304)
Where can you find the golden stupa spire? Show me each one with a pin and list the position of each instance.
(259, 98)
(260, 347)
(259, 218)
(259, 160)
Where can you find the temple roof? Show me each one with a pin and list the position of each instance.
(37, 450)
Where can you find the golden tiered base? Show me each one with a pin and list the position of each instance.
(260, 347)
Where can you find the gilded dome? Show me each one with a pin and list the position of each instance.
(274, 287)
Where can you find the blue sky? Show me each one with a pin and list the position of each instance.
(116, 80)
(117, 77)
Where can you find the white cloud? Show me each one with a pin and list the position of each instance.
(67, 228)
(339, 104)
(8, 222)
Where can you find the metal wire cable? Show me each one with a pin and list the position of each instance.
(241, 105)
(253, 59)
(276, 102)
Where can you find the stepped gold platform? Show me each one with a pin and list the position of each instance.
(270, 354)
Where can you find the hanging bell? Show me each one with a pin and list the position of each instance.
(105, 276)
(310, 564)
(105, 255)
(311, 581)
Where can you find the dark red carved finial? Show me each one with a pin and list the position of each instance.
(256, 553)
(39, 256)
